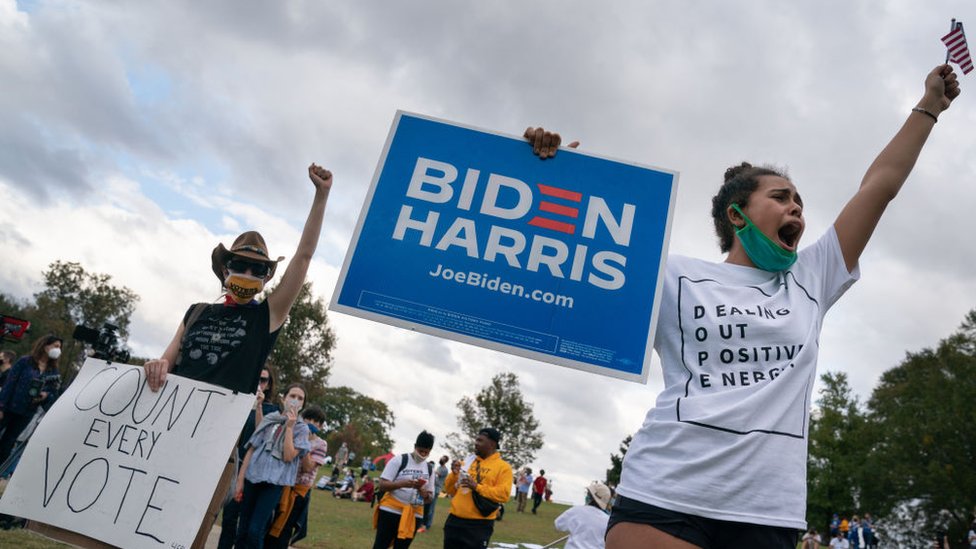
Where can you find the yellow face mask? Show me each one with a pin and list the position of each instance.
(242, 287)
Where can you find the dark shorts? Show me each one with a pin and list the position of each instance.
(462, 533)
(703, 532)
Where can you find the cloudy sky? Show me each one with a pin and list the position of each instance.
(135, 136)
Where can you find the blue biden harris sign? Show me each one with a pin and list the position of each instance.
(467, 235)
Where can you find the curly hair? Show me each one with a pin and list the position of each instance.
(740, 182)
(314, 413)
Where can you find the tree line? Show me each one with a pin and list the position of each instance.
(908, 454)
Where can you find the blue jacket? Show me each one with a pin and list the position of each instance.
(15, 396)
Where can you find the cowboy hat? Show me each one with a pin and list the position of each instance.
(600, 494)
(249, 245)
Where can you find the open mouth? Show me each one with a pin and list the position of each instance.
(789, 234)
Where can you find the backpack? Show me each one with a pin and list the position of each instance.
(378, 494)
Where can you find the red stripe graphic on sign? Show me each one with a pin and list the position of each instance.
(559, 210)
(560, 193)
(554, 225)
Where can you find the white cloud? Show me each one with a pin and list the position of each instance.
(248, 95)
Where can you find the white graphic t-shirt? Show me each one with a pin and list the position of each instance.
(727, 438)
(413, 470)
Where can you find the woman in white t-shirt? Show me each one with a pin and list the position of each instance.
(720, 461)
(587, 523)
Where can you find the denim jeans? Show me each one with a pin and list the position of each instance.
(257, 509)
(429, 513)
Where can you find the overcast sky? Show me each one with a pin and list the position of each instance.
(135, 136)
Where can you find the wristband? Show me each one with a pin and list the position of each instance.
(925, 112)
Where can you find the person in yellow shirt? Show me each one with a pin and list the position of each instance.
(477, 488)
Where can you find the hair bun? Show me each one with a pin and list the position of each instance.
(735, 171)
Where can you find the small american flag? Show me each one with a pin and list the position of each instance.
(955, 41)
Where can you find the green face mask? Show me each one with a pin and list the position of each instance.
(764, 253)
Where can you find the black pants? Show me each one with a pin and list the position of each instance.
(297, 510)
(387, 525)
(228, 525)
(536, 501)
(12, 425)
(462, 533)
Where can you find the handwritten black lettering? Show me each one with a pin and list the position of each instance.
(84, 389)
(135, 390)
(101, 489)
(132, 473)
(149, 505)
(47, 469)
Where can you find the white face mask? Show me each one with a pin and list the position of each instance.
(294, 404)
(54, 353)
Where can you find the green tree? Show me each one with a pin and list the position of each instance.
(923, 433)
(501, 405)
(303, 352)
(72, 296)
(836, 452)
(617, 462)
(363, 423)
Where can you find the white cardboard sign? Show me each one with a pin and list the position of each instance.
(116, 462)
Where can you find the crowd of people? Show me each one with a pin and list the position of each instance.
(724, 472)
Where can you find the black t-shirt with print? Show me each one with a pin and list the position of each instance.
(227, 346)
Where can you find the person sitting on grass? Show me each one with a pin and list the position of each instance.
(348, 487)
(366, 490)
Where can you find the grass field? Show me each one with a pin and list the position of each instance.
(343, 524)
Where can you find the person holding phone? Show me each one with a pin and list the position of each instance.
(407, 483)
(264, 404)
(273, 456)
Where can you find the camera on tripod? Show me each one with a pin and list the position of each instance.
(104, 342)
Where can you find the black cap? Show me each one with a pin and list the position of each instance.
(424, 440)
(491, 433)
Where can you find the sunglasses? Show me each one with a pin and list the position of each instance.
(264, 379)
(242, 266)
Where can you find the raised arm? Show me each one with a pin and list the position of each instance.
(281, 300)
(888, 172)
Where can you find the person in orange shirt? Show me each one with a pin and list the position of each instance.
(477, 488)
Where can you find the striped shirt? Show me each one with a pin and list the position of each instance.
(319, 450)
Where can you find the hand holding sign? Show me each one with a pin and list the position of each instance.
(545, 144)
(156, 371)
(116, 462)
